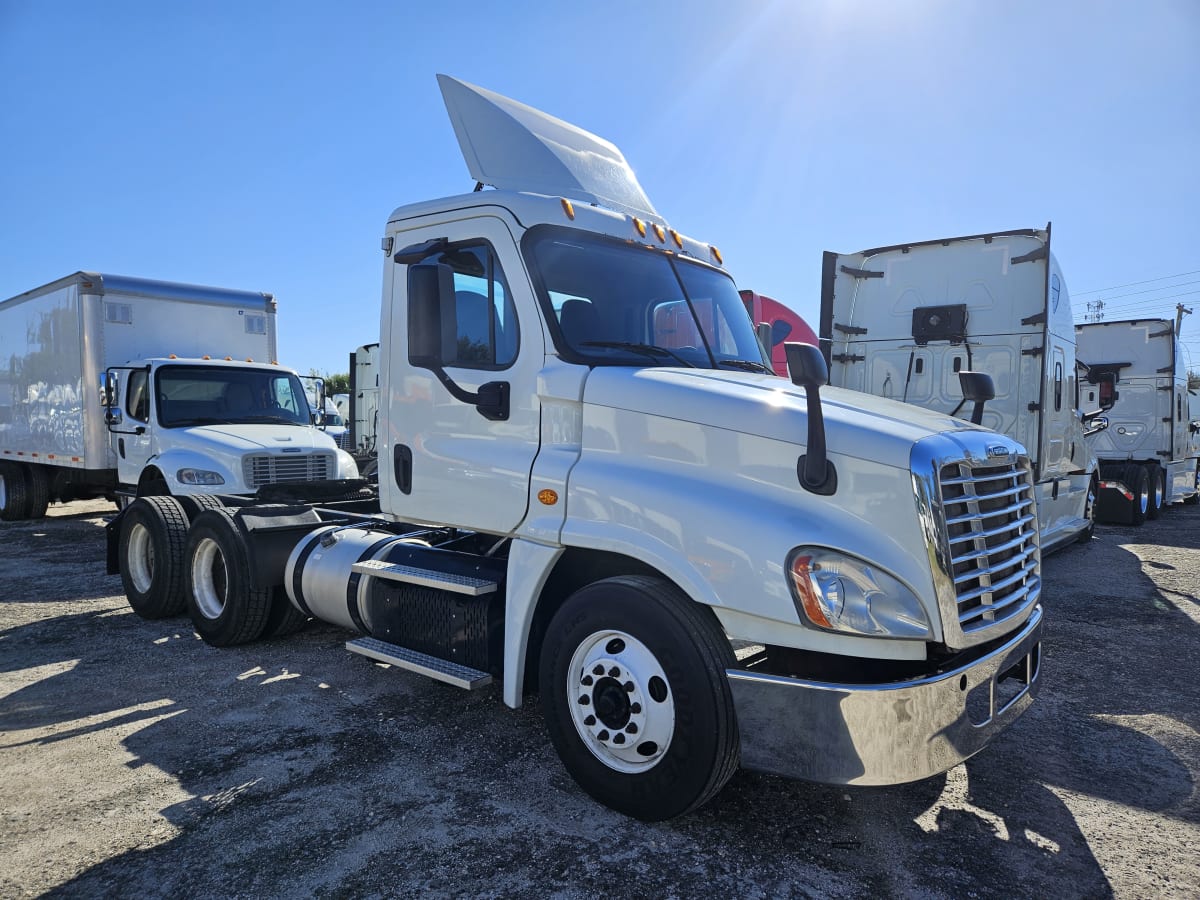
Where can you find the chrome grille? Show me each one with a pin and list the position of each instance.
(275, 468)
(991, 527)
(344, 441)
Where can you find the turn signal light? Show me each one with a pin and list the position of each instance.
(568, 208)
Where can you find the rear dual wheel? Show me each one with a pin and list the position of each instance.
(225, 608)
(1138, 482)
(24, 491)
(1157, 494)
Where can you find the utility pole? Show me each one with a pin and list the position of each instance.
(1180, 312)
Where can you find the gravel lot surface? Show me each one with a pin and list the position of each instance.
(135, 760)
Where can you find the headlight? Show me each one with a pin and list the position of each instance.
(840, 593)
(199, 476)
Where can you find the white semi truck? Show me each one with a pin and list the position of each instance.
(1149, 453)
(697, 564)
(122, 387)
(903, 321)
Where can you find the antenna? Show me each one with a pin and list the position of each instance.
(1095, 311)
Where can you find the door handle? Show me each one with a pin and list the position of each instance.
(402, 467)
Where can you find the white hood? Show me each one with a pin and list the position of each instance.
(856, 424)
(247, 438)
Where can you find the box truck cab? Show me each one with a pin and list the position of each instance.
(903, 321)
(202, 426)
(592, 485)
(1148, 454)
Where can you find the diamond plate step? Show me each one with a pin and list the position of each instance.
(421, 663)
(458, 584)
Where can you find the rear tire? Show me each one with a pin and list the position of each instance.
(284, 618)
(225, 609)
(616, 659)
(14, 492)
(1158, 490)
(1138, 482)
(153, 534)
(37, 483)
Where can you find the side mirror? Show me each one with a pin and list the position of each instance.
(1095, 425)
(978, 388)
(808, 370)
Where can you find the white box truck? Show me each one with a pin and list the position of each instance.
(123, 387)
(592, 484)
(903, 321)
(1148, 454)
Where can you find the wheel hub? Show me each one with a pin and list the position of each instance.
(621, 703)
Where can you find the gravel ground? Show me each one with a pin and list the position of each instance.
(135, 760)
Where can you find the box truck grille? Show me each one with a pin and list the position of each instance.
(991, 524)
(344, 442)
(274, 469)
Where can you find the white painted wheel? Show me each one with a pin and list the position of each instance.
(622, 705)
(139, 558)
(210, 579)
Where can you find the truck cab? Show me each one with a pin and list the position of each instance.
(903, 321)
(203, 426)
(593, 485)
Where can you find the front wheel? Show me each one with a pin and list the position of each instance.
(1138, 483)
(1158, 490)
(1089, 510)
(636, 697)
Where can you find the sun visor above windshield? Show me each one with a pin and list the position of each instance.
(515, 147)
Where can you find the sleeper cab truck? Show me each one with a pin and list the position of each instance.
(780, 326)
(904, 321)
(593, 486)
(121, 387)
(1149, 451)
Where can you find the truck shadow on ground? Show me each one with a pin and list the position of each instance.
(35, 567)
(306, 771)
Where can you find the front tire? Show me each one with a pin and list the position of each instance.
(1158, 490)
(1138, 483)
(153, 532)
(1089, 510)
(225, 609)
(636, 698)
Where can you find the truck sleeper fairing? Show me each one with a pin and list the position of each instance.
(903, 321)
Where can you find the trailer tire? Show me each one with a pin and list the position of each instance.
(225, 609)
(1158, 490)
(153, 534)
(37, 483)
(284, 618)
(1138, 482)
(14, 495)
(626, 647)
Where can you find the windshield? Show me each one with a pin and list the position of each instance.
(206, 395)
(617, 303)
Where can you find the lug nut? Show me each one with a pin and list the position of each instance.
(603, 735)
(598, 670)
(589, 721)
(587, 680)
(584, 700)
(631, 728)
(628, 687)
(635, 708)
(614, 672)
(618, 738)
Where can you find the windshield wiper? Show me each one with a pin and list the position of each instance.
(197, 420)
(645, 349)
(282, 420)
(746, 365)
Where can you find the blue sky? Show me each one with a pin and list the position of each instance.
(262, 145)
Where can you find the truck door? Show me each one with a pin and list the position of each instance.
(131, 436)
(441, 460)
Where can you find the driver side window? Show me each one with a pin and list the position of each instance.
(137, 400)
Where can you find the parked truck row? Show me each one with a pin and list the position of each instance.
(592, 484)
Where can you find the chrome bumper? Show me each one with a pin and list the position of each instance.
(886, 733)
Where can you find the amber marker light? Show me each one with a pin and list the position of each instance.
(172, 356)
(206, 356)
(568, 208)
(716, 254)
(802, 569)
(677, 238)
(659, 233)
(229, 359)
(640, 226)
(547, 497)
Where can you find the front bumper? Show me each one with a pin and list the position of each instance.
(878, 734)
